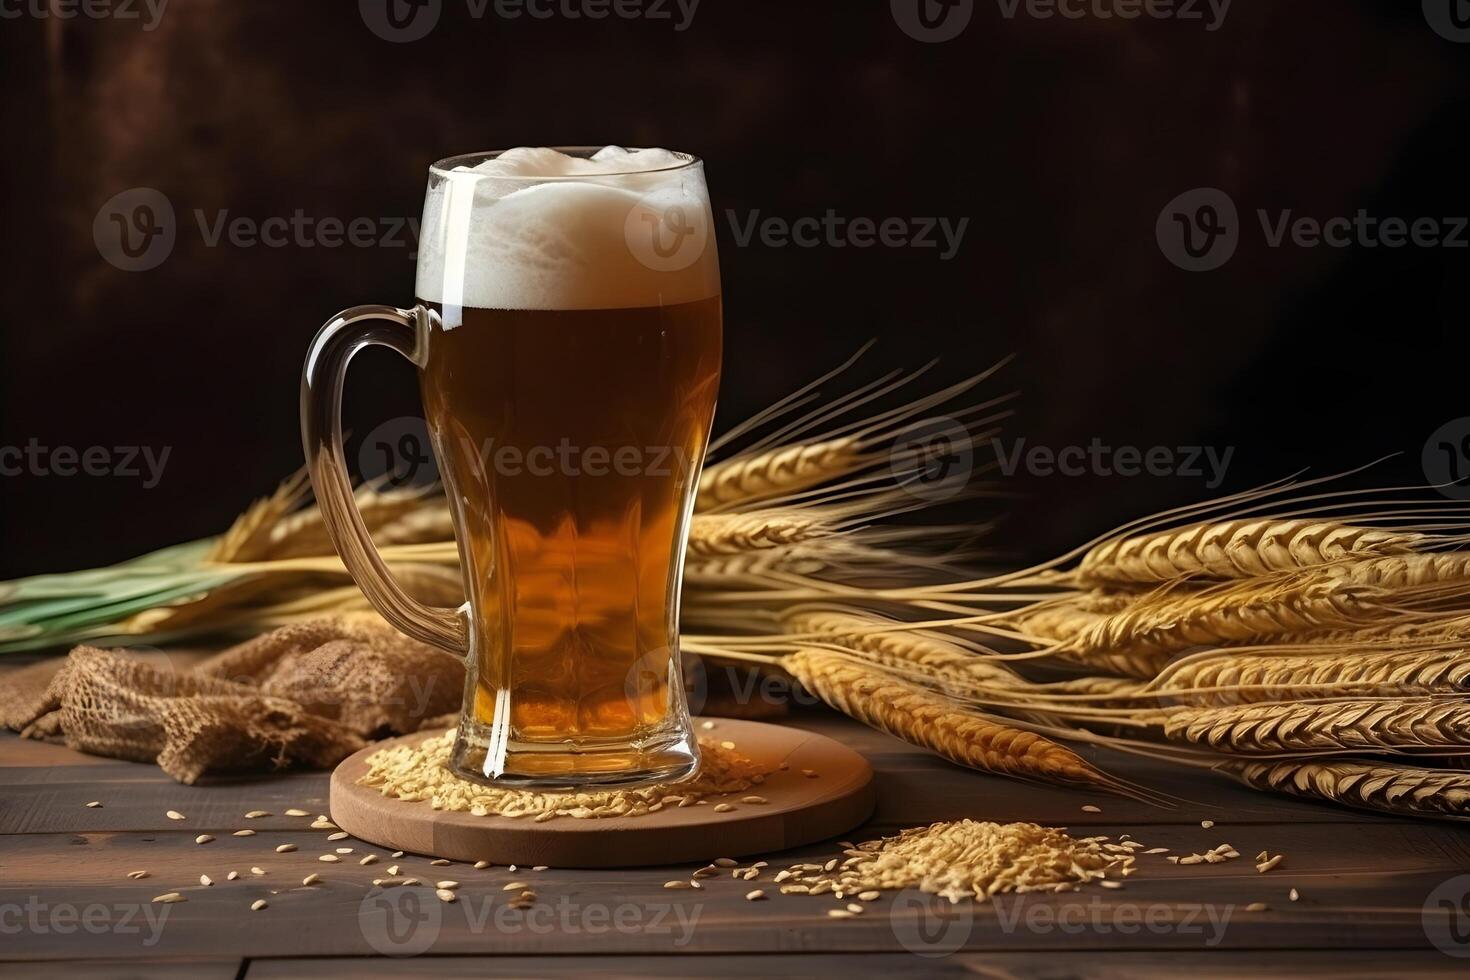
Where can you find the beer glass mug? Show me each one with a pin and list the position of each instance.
(567, 336)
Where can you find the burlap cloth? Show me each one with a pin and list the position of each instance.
(306, 695)
(309, 695)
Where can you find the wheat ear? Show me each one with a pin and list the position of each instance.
(1240, 612)
(1367, 785)
(722, 535)
(1228, 678)
(1310, 726)
(788, 469)
(878, 640)
(921, 717)
(1235, 549)
(1405, 571)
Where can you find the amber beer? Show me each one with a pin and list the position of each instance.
(570, 439)
(567, 335)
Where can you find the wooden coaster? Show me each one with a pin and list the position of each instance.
(799, 810)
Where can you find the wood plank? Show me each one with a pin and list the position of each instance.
(31, 753)
(1163, 906)
(913, 787)
(1222, 964)
(139, 969)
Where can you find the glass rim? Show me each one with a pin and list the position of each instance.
(445, 167)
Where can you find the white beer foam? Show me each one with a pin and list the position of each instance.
(535, 229)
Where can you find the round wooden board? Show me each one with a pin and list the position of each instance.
(799, 810)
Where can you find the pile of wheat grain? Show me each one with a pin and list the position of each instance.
(966, 859)
(421, 773)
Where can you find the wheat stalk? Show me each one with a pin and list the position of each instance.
(725, 535)
(776, 473)
(1235, 549)
(1245, 611)
(886, 644)
(923, 718)
(1227, 677)
(1310, 726)
(1364, 784)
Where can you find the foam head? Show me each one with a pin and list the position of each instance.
(537, 229)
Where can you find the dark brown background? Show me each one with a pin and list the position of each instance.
(1060, 140)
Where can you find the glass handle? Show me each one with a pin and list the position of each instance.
(321, 432)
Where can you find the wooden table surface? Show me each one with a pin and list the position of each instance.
(1378, 896)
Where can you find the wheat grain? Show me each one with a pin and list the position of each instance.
(719, 535)
(1324, 725)
(923, 718)
(1367, 785)
(788, 469)
(1235, 549)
